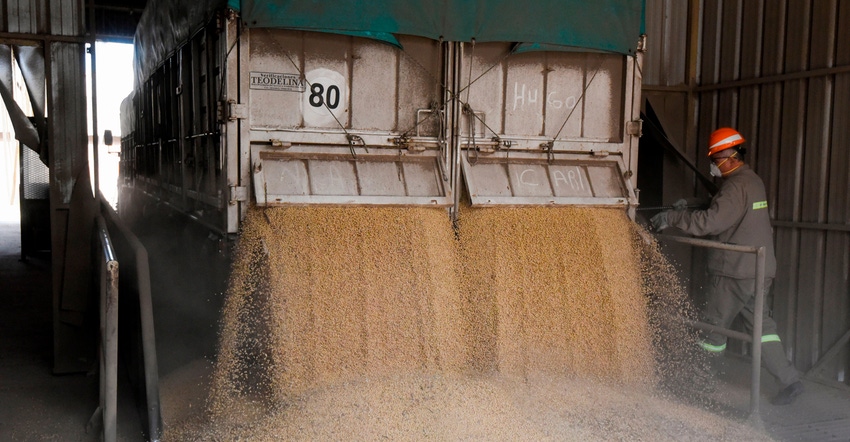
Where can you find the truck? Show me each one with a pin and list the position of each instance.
(273, 102)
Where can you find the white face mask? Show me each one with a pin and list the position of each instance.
(715, 171)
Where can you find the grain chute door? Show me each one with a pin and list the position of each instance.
(347, 120)
(547, 127)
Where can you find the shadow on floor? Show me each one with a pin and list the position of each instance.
(38, 405)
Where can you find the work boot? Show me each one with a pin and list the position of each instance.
(788, 394)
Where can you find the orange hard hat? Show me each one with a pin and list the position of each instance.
(722, 139)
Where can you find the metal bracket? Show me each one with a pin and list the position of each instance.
(354, 141)
(549, 147)
(405, 142)
(237, 194)
(635, 128)
(236, 111)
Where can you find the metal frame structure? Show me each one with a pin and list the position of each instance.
(755, 338)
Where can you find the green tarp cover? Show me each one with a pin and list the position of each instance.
(596, 25)
(602, 25)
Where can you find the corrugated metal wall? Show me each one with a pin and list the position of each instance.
(53, 32)
(52, 17)
(779, 71)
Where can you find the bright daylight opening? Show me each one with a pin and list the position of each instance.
(114, 76)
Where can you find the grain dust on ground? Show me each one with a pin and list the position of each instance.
(385, 323)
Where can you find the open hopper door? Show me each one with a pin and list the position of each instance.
(333, 175)
(528, 179)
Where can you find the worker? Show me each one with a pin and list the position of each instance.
(737, 214)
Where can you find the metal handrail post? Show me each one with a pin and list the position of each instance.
(108, 270)
(150, 366)
(755, 339)
(758, 308)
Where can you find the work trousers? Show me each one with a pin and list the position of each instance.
(728, 297)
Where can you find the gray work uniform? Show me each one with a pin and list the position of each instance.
(738, 215)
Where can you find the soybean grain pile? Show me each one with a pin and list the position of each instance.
(384, 323)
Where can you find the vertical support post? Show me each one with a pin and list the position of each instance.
(110, 406)
(693, 79)
(755, 381)
(455, 63)
(95, 140)
(107, 270)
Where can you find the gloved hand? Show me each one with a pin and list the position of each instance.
(659, 221)
(681, 204)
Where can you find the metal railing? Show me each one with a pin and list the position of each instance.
(758, 308)
(106, 266)
(137, 331)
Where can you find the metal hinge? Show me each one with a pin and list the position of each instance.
(635, 128)
(238, 193)
(641, 46)
(236, 111)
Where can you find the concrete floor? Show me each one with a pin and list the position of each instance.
(821, 413)
(35, 405)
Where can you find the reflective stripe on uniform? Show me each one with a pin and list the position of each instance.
(770, 338)
(712, 348)
(760, 205)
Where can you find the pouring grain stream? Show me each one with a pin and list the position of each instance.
(535, 324)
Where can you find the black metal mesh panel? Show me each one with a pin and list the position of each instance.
(35, 176)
